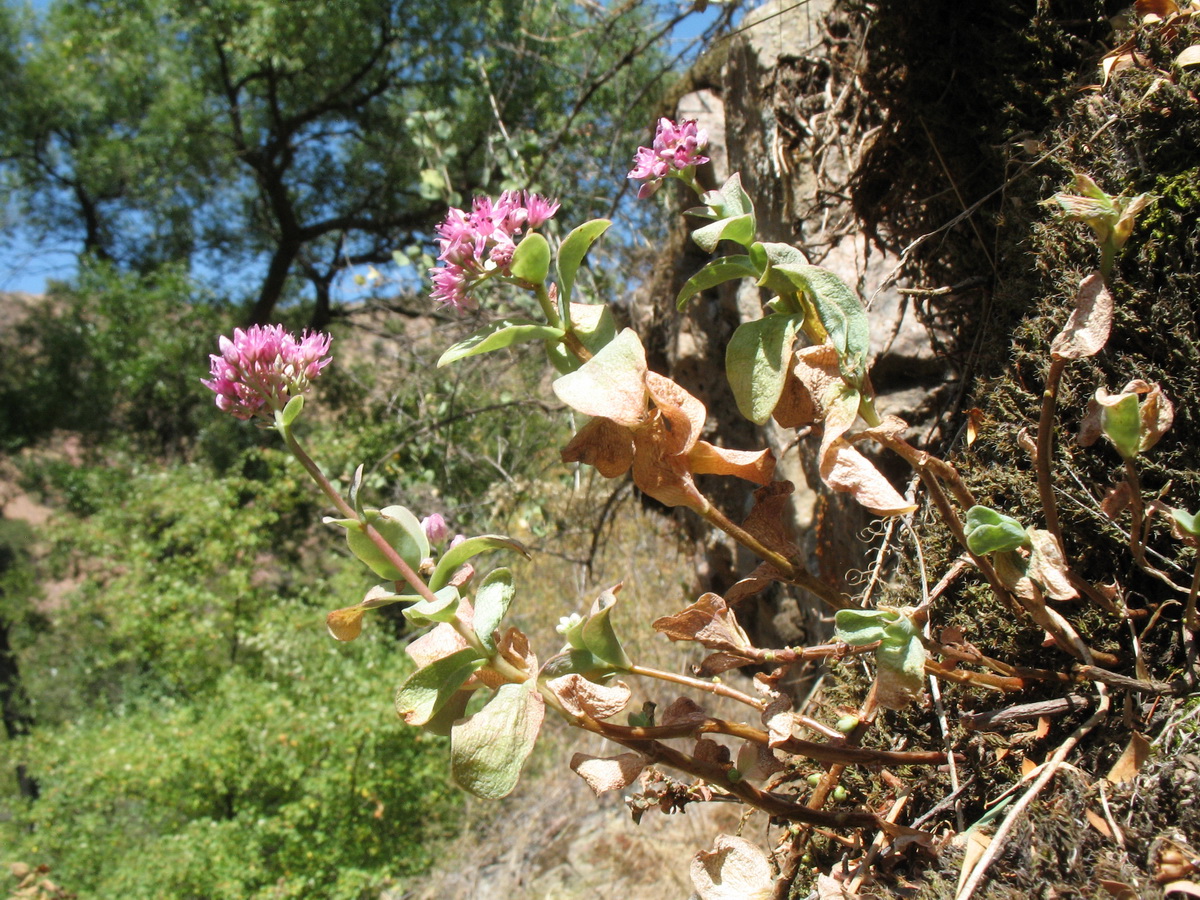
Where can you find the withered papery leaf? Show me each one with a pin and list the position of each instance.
(734, 869)
(796, 407)
(1087, 329)
(1157, 413)
(611, 773)
(753, 465)
(581, 697)
(709, 751)
(345, 624)
(708, 621)
(758, 580)
(1048, 567)
(683, 711)
(778, 719)
(684, 414)
(658, 470)
(767, 522)
(436, 644)
(721, 661)
(846, 470)
(603, 444)
(817, 370)
(611, 384)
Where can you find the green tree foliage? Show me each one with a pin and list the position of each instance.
(197, 732)
(294, 140)
(110, 355)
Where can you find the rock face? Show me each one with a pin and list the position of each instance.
(786, 113)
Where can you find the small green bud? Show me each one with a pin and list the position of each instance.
(847, 724)
(813, 780)
(734, 775)
(840, 793)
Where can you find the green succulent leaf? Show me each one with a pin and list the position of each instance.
(756, 364)
(991, 532)
(859, 627)
(427, 690)
(498, 335)
(400, 529)
(492, 600)
(598, 635)
(739, 229)
(718, 271)
(292, 410)
(422, 612)
(489, 749)
(1189, 523)
(1122, 424)
(453, 558)
(531, 259)
(570, 256)
(841, 314)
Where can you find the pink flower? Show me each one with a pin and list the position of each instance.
(261, 368)
(435, 528)
(676, 148)
(480, 244)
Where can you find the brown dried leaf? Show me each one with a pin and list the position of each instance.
(716, 663)
(768, 520)
(1097, 821)
(603, 444)
(345, 624)
(758, 580)
(612, 773)
(817, 370)
(683, 413)
(1157, 414)
(657, 470)
(757, 762)
(975, 420)
(1116, 501)
(1088, 328)
(1048, 567)
(709, 751)
(1189, 57)
(1160, 8)
(514, 647)
(753, 465)
(846, 470)
(683, 711)
(779, 720)
(734, 869)
(1131, 760)
(581, 697)
(796, 406)
(709, 621)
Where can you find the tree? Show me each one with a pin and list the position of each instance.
(295, 141)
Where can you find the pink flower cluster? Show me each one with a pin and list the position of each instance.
(480, 243)
(676, 147)
(264, 366)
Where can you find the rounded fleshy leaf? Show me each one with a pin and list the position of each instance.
(428, 689)
(571, 253)
(757, 360)
(403, 533)
(489, 749)
(498, 335)
(456, 556)
(716, 272)
(531, 259)
(492, 600)
(990, 532)
(611, 384)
